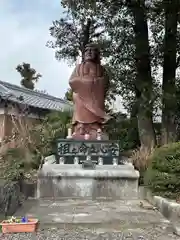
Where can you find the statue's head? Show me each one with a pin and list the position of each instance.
(92, 53)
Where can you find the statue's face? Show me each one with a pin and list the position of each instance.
(90, 54)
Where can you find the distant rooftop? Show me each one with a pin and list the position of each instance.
(32, 98)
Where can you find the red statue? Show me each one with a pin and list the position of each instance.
(89, 84)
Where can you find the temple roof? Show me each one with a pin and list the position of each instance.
(32, 98)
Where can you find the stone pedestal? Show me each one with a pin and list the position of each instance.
(104, 182)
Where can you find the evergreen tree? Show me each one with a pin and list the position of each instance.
(133, 58)
(28, 74)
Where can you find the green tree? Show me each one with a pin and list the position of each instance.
(162, 50)
(134, 59)
(69, 95)
(164, 24)
(28, 74)
(43, 136)
(130, 61)
(80, 27)
(122, 128)
(169, 101)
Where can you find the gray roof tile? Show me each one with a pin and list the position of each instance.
(32, 98)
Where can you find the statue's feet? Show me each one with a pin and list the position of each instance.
(91, 131)
(91, 136)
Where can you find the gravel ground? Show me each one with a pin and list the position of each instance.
(93, 220)
(81, 233)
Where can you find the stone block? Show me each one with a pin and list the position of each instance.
(71, 181)
(168, 208)
(50, 159)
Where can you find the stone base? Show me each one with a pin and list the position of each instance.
(104, 182)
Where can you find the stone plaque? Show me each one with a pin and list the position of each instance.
(92, 148)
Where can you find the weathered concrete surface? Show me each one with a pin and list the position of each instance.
(75, 219)
(88, 211)
(71, 181)
(169, 208)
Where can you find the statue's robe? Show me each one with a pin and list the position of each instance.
(89, 85)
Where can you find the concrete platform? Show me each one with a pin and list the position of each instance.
(88, 211)
(71, 181)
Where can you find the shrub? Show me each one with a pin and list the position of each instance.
(163, 174)
(141, 158)
(14, 164)
(44, 135)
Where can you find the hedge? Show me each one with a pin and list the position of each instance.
(163, 174)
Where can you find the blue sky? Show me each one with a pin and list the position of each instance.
(24, 26)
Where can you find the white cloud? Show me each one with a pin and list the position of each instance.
(24, 33)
